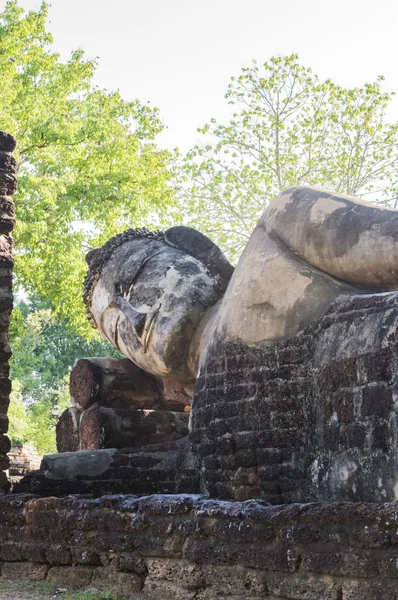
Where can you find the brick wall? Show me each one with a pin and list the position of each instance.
(187, 547)
(8, 187)
(311, 418)
(23, 459)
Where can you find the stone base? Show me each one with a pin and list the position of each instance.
(188, 547)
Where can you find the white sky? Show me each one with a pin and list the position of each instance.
(180, 54)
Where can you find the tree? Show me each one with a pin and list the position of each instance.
(44, 351)
(20, 429)
(288, 128)
(88, 162)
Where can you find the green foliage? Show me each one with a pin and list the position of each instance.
(20, 430)
(288, 128)
(44, 350)
(88, 162)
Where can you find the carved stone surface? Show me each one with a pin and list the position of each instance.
(160, 301)
(147, 293)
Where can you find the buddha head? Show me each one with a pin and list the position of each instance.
(147, 292)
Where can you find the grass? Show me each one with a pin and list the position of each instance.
(29, 590)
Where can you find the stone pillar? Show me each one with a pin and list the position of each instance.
(8, 186)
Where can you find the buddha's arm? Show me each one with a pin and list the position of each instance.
(347, 238)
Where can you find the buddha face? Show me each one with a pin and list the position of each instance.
(149, 300)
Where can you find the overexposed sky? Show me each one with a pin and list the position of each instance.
(180, 54)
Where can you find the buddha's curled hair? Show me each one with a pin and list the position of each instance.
(98, 257)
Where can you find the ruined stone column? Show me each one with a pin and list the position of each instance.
(119, 383)
(8, 186)
(115, 403)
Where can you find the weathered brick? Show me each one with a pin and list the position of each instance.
(75, 577)
(348, 563)
(159, 590)
(343, 405)
(303, 587)
(58, 555)
(24, 570)
(377, 401)
(110, 579)
(369, 590)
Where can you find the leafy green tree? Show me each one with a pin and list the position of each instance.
(288, 128)
(44, 351)
(88, 162)
(20, 429)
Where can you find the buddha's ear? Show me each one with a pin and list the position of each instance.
(90, 256)
(201, 247)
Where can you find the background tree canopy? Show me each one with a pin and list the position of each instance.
(89, 167)
(88, 162)
(288, 128)
(44, 349)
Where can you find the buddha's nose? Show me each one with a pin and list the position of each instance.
(137, 319)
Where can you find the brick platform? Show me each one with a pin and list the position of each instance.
(187, 547)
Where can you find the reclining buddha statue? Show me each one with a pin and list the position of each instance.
(291, 357)
(163, 297)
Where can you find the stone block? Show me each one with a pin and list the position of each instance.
(110, 579)
(75, 577)
(34, 552)
(343, 405)
(210, 594)
(388, 564)
(381, 438)
(370, 536)
(82, 556)
(183, 573)
(24, 570)
(4, 462)
(5, 444)
(160, 590)
(370, 590)
(377, 367)
(58, 555)
(376, 402)
(11, 551)
(303, 587)
(130, 563)
(348, 563)
(3, 424)
(234, 581)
